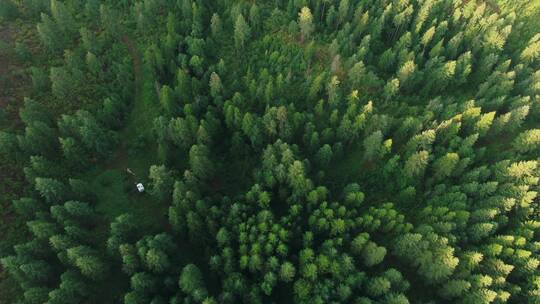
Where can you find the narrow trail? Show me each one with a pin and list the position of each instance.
(121, 158)
(5, 37)
(12, 91)
(12, 83)
(136, 58)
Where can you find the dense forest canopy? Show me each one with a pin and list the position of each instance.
(292, 151)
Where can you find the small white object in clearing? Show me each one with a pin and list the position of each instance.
(140, 187)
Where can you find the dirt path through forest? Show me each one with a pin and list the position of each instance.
(136, 58)
(14, 83)
(11, 97)
(120, 161)
(5, 38)
(8, 83)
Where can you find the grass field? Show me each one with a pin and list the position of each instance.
(117, 195)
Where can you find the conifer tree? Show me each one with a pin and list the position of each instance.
(416, 164)
(200, 162)
(50, 34)
(191, 280)
(52, 190)
(324, 155)
(373, 254)
(162, 182)
(444, 166)
(287, 272)
(373, 146)
(305, 20)
(532, 51)
(215, 85)
(242, 32)
(216, 25)
(527, 141)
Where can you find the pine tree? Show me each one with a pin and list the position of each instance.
(343, 11)
(73, 152)
(134, 297)
(373, 146)
(64, 19)
(378, 286)
(27, 207)
(484, 123)
(166, 99)
(144, 283)
(406, 73)
(42, 229)
(373, 254)
(130, 262)
(157, 260)
(242, 32)
(124, 229)
(269, 282)
(215, 85)
(162, 182)
(428, 36)
(52, 190)
(254, 18)
(93, 64)
(216, 25)
(200, 162)
(331, 17)
(297, 180)
(324, 155)
(50, 34)
(182, 131)
(88, 263)
(305, 20)
(532, 51)
(63, 84)
(36, 295)
(37, 271)
(359, 242)
(455, 288)
(527, 141)
(391, 89)
(191, 280)
(444, 166)
(287, 272)
(38, 139)
(40, 80)
(416, 164)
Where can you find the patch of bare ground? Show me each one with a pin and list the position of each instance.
(13, 81)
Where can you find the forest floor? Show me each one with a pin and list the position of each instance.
(12, 82)
(5, 65)
(12, 86)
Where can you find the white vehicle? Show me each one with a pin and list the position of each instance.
(140, 187)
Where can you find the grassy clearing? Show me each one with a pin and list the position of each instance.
(117, 195)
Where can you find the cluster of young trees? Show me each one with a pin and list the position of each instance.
(308, 152)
